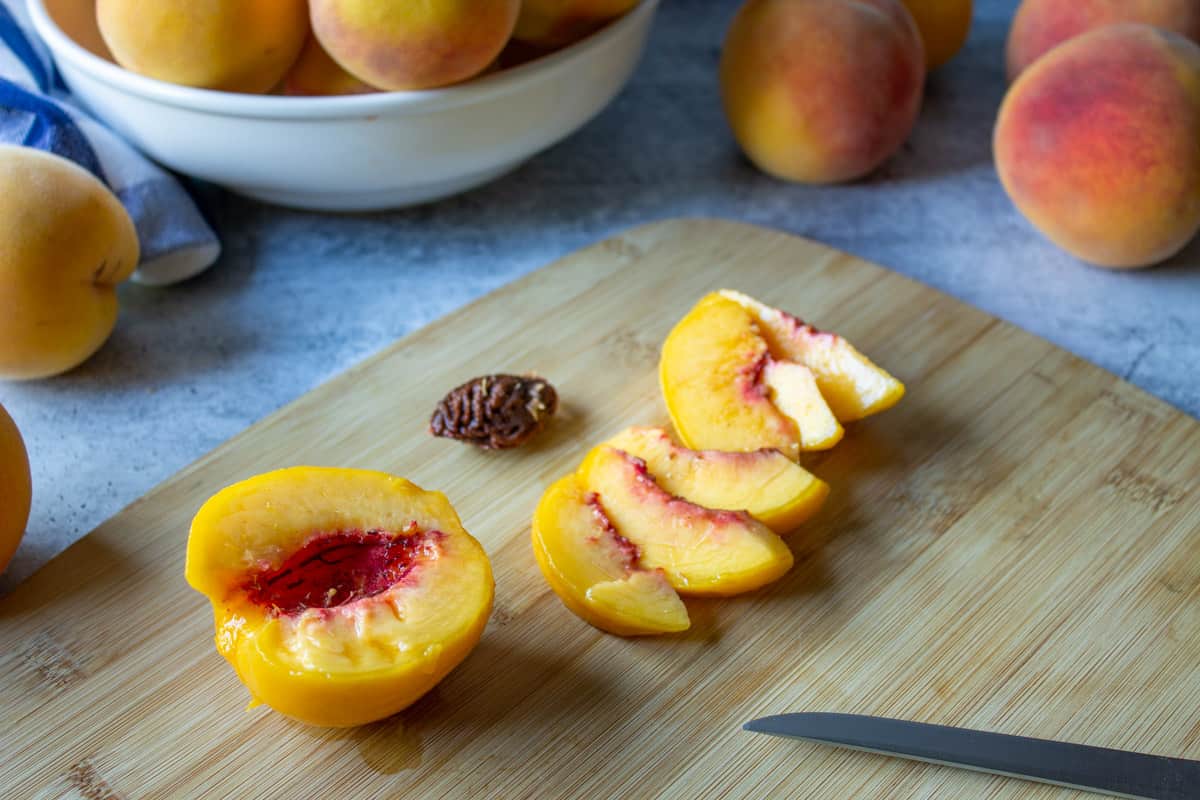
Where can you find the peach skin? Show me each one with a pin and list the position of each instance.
(944, 26)
(821, 91)
(340, 596)
(16, 488)
(230, 45)
(1097, 145)
(315, 73)
(556, 23)
(1040, 25)
(65, 244)
(398, 44)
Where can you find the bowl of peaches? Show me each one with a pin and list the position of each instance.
(344, 104)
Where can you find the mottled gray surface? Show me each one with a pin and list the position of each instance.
(299, 297)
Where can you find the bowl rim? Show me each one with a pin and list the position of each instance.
(233, 104)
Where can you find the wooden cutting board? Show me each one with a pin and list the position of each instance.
(1014, 548)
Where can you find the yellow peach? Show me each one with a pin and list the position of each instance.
(554, 23)
(65, 244)
(820, 91)
(397, 44)
(1040, 25)
(229, 45)
(1097, 144)
(15, 488)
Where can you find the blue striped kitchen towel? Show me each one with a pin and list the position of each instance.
(36, 110)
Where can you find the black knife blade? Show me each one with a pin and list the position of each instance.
(1119, 773)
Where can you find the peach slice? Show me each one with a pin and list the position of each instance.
(852, 385)
(765, 483)
(594, 569)
(794, 390)
(340, 596)
(711, 375)
(701, 551)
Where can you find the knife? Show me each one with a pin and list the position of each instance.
(1119, 773)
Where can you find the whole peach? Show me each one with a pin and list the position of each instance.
(230, 45)
(819, 91)
(65, 244)
(554, 23)
(1098, 144)
(1039, 25)
(15, 488)
(944, 26)
(400, 44)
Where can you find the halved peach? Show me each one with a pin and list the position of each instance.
(851, 384)
(700, 551)
(594, 569)
(340, 596)
(766, 484)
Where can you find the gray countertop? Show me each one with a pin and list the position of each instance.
(298, 297)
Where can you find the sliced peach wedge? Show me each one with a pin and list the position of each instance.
(594, 569)
(739, 375)
(618, 549)
(711, 374)
(766, 484)
(700, 551)
(851, 384)
(340, 596)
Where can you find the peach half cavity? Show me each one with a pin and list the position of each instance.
(333, 569)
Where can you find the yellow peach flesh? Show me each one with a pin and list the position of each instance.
(701, 551)
(852, 385)
(351, 662)
(765, 483)
(584, 562)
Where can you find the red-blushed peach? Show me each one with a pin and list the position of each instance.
(399, 44)
(65, 244)
(15, 488)
(944, 26)
(230, 45)
(820, 91)
(555, 23)
(1098, 145)
(315, 73)
(1039, 25)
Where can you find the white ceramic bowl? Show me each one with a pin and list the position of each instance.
(348, 153)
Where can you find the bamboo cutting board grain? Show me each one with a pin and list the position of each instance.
(1015, 547)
